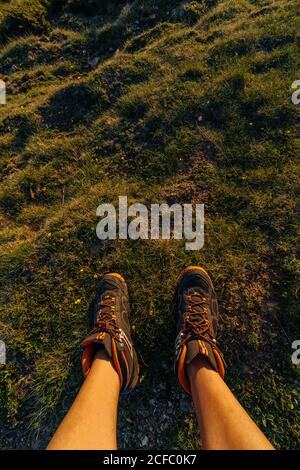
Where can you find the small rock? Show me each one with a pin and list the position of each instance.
(94, 62)
(145, 441)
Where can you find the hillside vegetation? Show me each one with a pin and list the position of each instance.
(162, 101)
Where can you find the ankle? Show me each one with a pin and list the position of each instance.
(200, 363)
(103, 366)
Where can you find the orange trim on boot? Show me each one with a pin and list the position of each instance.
(220, 363)
(181, 372)
(182, 378)
(116, 361)
(203, 349)
(87, 359)
(191, 267)
(117, 275)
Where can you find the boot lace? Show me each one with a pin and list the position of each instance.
(106, 317)
(196, 322)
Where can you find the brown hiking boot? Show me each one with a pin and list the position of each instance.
(196, 304)
(112, 331)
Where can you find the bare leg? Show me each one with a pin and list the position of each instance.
(91, 421)
(223, 422)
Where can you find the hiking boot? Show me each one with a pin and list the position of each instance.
(196, 304)
(112, 331)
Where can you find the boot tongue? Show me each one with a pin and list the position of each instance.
(107, 344)
(192, 351)
(94, 338)
(196, 348)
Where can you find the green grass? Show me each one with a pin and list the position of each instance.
(82, 126)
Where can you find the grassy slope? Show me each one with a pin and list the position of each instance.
(73, 135)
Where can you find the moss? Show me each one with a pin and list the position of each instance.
(23, 17)
(275, 410)
(79, 101)
(87, 7)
